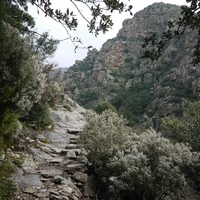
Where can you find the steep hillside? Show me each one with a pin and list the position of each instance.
(140, 90)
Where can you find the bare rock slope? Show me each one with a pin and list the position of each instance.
(56, 168)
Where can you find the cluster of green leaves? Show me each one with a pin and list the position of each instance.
(15, 13)
(187, 129)
(102, 136)
(43, 45)
(131, 102)
(98, 21)
(8, 125)
(135, 166)
(7, 187)
(22, 79)
(180, 90)
(39, 115)
(87, 97)
(22, 76)
(104, 105)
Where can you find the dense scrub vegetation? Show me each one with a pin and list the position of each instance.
(185, 130)
(104, 105)
(87, 97)
(137, 166)
(26, 90)
(132, 102)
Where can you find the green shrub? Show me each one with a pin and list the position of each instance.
(7, 187)
(132, 102)
(150, 168)
(102, 136)
(39, 115)
(6, 169)
(8, 125)
(104, 105)
(187, 129)
(22, 80)
(86, 97)
(135, 166)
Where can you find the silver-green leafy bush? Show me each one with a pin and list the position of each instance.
(102, 137)
(22, 80)
(136, 166)
(151, 167)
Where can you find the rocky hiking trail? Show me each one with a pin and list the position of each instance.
(55, 168)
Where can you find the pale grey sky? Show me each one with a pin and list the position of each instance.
(65, 55)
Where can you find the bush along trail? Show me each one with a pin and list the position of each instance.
(55, 167)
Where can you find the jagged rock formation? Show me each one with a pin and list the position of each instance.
(117, 69)
(55, 167)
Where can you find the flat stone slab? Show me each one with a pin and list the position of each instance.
(28, 180)
(53, 148)
(51, 172)
(40, 156)
(73, 137)
(29, 190)
(46, 149)
(74, 166)
(71, 146)
(71, 154)
(42, 194)
(70, 186)
(29, 166)
(56, 160)
(55, 137)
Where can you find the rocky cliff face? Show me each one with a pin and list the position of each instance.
(115, 70)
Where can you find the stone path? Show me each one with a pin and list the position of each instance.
(56, 168)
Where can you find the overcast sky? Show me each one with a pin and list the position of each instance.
(65, 55)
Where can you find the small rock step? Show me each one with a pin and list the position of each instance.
(72, 168)
(73, 130)
(65, 151)
(71, 146)
(73, 141)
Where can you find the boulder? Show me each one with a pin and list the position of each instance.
(80, 176)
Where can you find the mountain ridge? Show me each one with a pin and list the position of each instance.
(118, 74)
